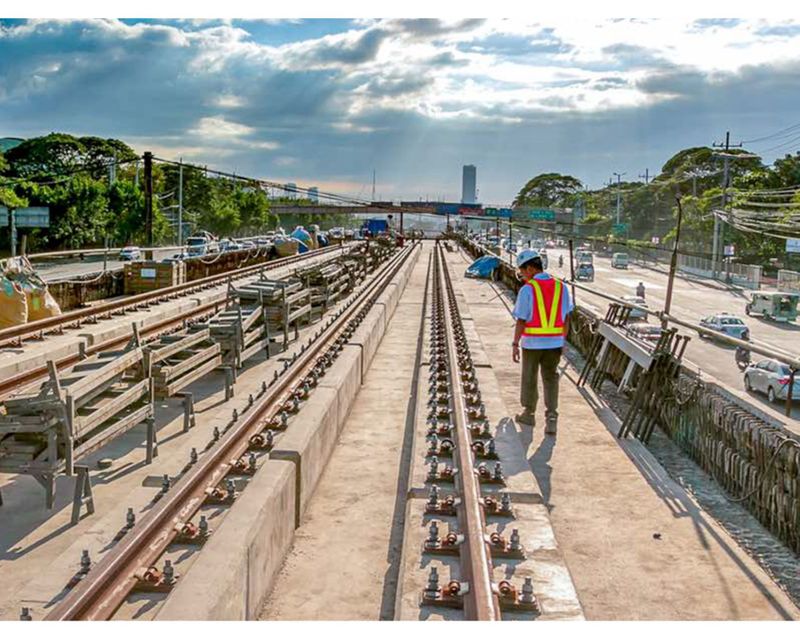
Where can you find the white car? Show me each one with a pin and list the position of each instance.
(728, 324)
(771, 377)
(636, 314)
(130, 253)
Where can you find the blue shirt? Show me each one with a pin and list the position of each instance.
(523, 310)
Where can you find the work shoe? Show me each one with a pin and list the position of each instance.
(526, 418)
(551, 426)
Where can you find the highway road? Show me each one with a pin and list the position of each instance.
(693, 299)
(60, 269)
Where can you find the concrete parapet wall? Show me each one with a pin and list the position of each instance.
(240, 560)
(236, 569)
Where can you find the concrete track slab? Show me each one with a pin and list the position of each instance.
(346, 538)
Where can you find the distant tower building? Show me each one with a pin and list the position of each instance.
(291, 189)
(313, 194)
(468, 185)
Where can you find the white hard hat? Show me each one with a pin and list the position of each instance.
(526, 255)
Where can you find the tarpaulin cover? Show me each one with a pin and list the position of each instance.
(483, 267)
(303, 236)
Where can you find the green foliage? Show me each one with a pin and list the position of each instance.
(60, 153)
(70, 175)
(548, 190)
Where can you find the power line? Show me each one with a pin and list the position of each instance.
(777, 134)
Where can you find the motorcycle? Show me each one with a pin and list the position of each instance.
(742, 358)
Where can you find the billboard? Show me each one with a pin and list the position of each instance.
(792, 245)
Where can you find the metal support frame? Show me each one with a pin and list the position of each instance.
(83, 494)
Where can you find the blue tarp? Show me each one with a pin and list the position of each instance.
(302, 235)
(483, 267)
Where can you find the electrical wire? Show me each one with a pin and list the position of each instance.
(777, 134)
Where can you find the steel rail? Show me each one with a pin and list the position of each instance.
(78, 315)
(480, 602)
(106, 586)
(151, 331)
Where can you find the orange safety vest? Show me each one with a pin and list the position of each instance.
(546, 296)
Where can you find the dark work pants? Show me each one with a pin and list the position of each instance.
(546, 360)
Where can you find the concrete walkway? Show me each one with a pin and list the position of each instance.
(638, 547)
(345, 558)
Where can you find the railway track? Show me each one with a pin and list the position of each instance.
(15, 335)
(458, 430)
(216, 477)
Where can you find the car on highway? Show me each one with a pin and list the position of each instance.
(201, 245)
(230, 245)
(619, 261)
(130, 253)
(644, 331)
(771, 377)
(585, 271)
(550, 244)
(636, 314)
(178, 257)
(728, 324)
(584, 256)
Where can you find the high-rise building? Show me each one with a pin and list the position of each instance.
(469, 184)
(313, 194)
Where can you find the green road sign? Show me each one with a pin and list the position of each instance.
(490, 211)
(621, 227)
(547, 215)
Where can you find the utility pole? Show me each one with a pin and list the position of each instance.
(373, 185)
(619, 195)
(716, 244)
(646, 175)
(673, 266)
(148, 197)
(180, 204)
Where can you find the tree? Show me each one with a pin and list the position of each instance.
(60, 154)
(548, 190)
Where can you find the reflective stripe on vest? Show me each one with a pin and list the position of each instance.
(542, 323)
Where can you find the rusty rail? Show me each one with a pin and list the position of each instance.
(107, 585)
(16, 334)
(13, 382)
(481, 602)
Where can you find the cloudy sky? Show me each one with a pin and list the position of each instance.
(324, 102)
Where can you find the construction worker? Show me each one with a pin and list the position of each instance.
(640, 290)
(542, 313)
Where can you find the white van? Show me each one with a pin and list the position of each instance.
(619, 261)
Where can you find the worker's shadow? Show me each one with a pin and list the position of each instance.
(540, 460)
